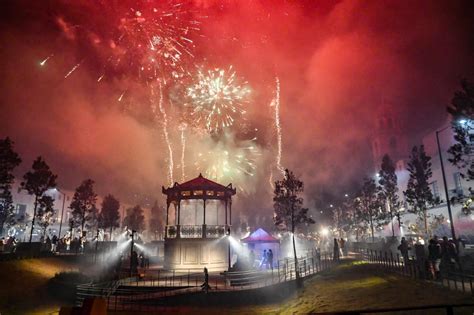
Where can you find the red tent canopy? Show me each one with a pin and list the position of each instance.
(260, 236)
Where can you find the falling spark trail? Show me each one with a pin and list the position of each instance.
(121, 95)
(100, 78)
(73, 69)
(167, 139)
(278, 125)
(183, 150)
(42, 63)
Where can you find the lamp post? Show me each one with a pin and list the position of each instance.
(131, 252)
(448, 203)
(62, 211)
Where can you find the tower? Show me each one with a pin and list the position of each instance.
(388, 137)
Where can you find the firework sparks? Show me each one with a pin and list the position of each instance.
(230, 161)
(44, 61)
(276, 104)
(73, 69)
(217, 98)
(182, 128)
(121, 95)
(166, 135)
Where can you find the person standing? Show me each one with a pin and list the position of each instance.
(434, 257)
(403, 248)
(205, 286)
(342, 244)
(336, 250)
(270, 258)
(54, 243)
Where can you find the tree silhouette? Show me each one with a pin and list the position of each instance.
(37, 182)
(462, 112)
(46, 212)
(156, 222)
(418, 193)
(288, 206)
(83, 204)
(109, 217)
(9, 160)
(134, 219)
(368, 204)
(389, 188)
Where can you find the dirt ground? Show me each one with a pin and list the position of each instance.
(350, 286)
(23, 285)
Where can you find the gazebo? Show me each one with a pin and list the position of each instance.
(198, 217)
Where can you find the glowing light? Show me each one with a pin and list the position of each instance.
(121, 96)
(42, 63)
(324, 231)
(217, 99)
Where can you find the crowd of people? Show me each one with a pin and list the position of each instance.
(442, 254)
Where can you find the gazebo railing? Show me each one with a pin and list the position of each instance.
(195, 231)
(190, 231)
(215, 231)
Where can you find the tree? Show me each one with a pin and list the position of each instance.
(462, 112)
(46, 212)
(368, 204)
(156, 220)
(37, 182)
(389, 188)
(418, 193)
(9, 160)
(109, 217)
(83, 204)
(134, 219)
(288, 206)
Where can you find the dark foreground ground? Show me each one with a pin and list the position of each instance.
(350, 286)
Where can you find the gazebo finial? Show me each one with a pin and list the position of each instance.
(200, 175)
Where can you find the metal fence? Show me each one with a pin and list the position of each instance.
(418, 270)
(148, 292)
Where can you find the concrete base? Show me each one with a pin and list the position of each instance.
(195, 254)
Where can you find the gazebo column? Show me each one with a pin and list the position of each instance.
(167, 217)
(204, 232)
(178, 226)
(225, 223)
(230, 211)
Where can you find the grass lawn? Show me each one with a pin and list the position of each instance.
(23, 285)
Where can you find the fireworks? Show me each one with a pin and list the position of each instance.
(217, 98)
(182, 129)
(276, 103)
(73, 69)
(156, 40)
(229, 160)
(44, 61)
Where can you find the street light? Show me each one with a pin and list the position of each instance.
(132, 262)
(448, 203)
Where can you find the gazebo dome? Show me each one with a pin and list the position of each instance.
(198, 188)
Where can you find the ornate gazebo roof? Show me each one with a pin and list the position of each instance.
(199, 188)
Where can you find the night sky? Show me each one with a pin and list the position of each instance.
(337, 63)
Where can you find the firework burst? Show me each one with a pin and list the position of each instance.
(230, 160)
(217, 99)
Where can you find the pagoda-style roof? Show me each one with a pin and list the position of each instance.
(199, 188)
(260, 236)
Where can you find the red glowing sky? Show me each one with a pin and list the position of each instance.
(337, 61)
